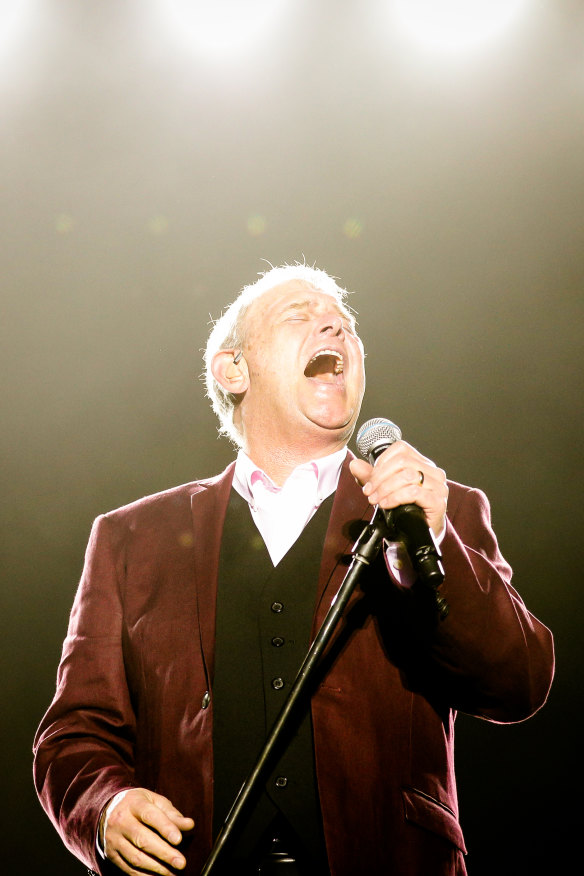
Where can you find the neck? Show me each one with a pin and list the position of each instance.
(279, 462)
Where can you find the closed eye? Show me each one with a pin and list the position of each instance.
(300, 312)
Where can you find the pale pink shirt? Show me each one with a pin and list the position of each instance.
(281, 513)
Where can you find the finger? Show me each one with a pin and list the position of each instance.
(135, 860)
(406, 469)
(166, 823)
(420, 483)
(432, 502)
(394, 458)
(407, 494)
(401, 455)
(183, 822)
(141, 847)
(410, 486)
(147, 842)
(131, 834)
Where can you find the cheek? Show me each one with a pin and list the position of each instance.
(260, 360)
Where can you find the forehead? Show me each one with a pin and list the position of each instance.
(295, 294)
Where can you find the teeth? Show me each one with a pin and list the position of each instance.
(339, 364)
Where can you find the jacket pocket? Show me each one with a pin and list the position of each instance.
(429, 813)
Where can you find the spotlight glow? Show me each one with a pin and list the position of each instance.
(158, 225)
(221, 26)
(64, 223)
(453, 25)
(352, 228)
(14, 16)
(256, 225)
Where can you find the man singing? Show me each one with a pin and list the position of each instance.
(197, 605)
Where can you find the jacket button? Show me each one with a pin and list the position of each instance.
(277, 641)
(206, 700)
(277, 683)
(281, 782)
(277, 607)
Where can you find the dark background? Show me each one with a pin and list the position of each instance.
(143, 182)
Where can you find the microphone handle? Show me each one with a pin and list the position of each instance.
(410, 522)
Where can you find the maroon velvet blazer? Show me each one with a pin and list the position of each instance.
(132, 708)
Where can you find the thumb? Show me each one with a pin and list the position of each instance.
(361, 470)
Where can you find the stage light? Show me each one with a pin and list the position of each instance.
(455, 25)
(13, 18)
(221, 27)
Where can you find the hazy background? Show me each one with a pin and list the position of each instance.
(144, 180)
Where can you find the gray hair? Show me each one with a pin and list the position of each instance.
(228, 332)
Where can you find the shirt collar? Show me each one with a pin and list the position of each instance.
(327, 470)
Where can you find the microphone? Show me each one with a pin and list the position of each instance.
(408, 521)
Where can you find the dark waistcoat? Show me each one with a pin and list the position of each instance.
(264, 619)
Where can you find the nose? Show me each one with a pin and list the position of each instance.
(332, 324)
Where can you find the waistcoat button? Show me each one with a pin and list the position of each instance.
(281, 782)
(277, 607)
(277, 641)
(277, 683)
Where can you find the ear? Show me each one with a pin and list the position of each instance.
(232, 376)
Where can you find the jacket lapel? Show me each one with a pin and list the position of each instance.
(350, 512)
(209, 502)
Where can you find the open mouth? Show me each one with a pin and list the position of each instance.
(326, 366)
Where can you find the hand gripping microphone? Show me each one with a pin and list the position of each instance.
(408, 521)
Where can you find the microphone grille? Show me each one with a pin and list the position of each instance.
(375, 432)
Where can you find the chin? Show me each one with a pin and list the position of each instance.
(334, 420)
(335, 427)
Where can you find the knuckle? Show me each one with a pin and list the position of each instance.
(401, 451)
(140, 840)
(132, 856)
(410, 494)
(383, 498)
(148, 816)
(116, 817)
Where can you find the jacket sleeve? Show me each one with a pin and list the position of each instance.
(84, 747)
(490, 657)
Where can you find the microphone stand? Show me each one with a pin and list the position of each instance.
(364, 552)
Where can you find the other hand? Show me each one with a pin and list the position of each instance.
(402, 476)
(142, 831)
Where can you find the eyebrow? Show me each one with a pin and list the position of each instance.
(297, 305)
